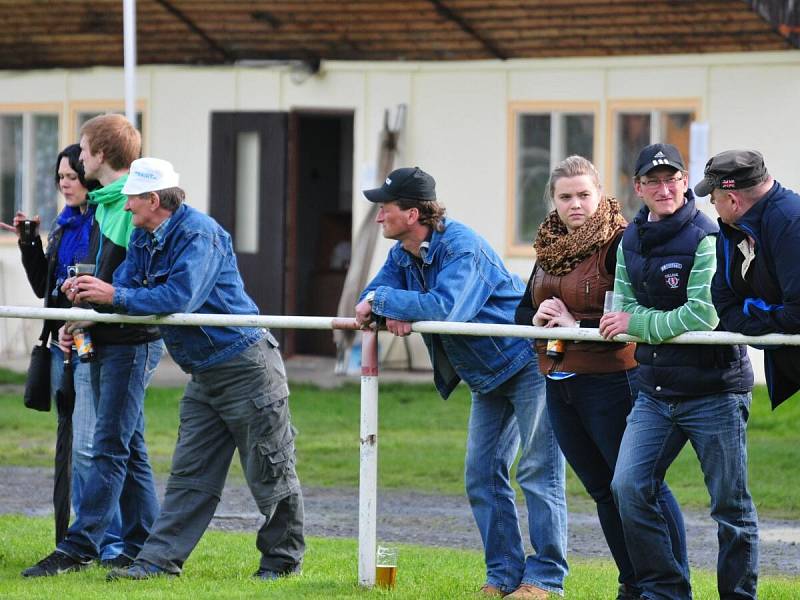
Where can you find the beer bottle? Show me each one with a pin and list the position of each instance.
(83, 344)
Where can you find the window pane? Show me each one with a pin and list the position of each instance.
(675, 129)
(10, 159)
(45, 150)
(633, 135)
(579, 130)
(533, 169)
(248, 175)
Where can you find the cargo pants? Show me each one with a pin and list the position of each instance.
(241, 404)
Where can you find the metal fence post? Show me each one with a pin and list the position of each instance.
(368, 480)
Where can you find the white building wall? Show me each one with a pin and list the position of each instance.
(456, 126)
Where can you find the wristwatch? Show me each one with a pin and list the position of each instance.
(370, 296)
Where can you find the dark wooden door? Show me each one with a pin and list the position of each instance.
(262, 257)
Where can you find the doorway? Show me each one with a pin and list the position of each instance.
(321, 197)
(281, 185)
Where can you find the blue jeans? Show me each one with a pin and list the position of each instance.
(83, 420)
(588, 413)
(499, 420)
(657, 431)
(120, 477)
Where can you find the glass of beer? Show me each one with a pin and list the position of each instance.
(386, 567)
(84, 269)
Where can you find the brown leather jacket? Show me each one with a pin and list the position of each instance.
(583, 291)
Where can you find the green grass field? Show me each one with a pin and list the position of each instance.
(421, 440)
(221, 566)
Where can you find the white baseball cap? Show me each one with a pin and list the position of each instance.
(150, 175)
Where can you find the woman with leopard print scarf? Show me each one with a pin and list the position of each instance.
(591, 386)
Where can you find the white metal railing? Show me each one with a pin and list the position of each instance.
(368, 471)
(445, 327)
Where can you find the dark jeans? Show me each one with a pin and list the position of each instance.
(588, 413)
(657, 430)
(120, 477)
(240, 404)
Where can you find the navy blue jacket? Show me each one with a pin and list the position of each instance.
(768, 299)
(677, 371)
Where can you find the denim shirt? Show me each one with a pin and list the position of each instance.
(190, 267)
(461, 279)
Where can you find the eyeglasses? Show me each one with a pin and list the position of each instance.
(654, 184)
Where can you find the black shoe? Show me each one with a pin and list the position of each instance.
(118, 562)
(54, 564)
(269, 574)
(141, 570)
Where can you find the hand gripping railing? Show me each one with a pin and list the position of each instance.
(368, 478)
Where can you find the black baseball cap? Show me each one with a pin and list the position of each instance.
(732, 170)
(411, 183)
(658, 155)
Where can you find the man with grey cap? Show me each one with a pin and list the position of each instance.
(181, 261)
(756, 289)
(687, 393)
(442, 270)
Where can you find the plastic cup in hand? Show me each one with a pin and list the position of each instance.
(386, 566)
(612, 303)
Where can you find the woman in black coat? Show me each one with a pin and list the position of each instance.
(46, 268)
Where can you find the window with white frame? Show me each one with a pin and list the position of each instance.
(28, 150)
(542, 139)
(635, 129)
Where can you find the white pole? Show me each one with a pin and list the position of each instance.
(368, 479)
(299, 322)
(129, 42)
(188, 319)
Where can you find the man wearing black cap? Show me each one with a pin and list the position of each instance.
(700, 394)
(757, 286)
(441, 270)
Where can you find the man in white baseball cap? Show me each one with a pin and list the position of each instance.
(149, 175)
(181, 261)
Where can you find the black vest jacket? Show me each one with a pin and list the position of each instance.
(659, 256)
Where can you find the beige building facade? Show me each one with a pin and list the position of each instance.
(489, 131)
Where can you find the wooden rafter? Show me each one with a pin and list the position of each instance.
(32, 35)
(453, 16)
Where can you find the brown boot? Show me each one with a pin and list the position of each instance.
(491, 591)
(529, 592)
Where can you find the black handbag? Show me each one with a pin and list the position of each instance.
(37, 385)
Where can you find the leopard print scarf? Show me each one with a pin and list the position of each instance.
(558, 252)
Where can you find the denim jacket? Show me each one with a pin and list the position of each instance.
(460, 279)
(189, 268)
